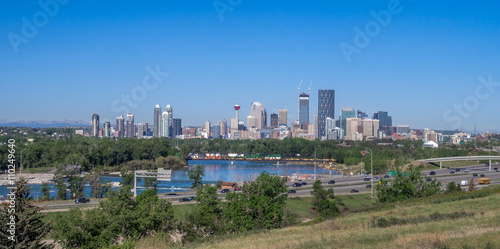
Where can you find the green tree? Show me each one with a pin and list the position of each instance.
(196, 173)
(22, 225)
(453, 187)
(321, 201)
(61, 187)
(406, 185)
(118, 217)
(76, 185)
(260, 205)
(45, 191)
(127, 176)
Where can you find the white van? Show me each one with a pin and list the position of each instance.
(464, 183)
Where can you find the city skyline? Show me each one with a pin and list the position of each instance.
(428, 66)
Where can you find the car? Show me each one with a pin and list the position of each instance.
(482, 175)
(452, 172)
(237, 189)
(368, 186)
(467, 170)
(457, 170)
(354, 191)
(292, 191)
(495, 169)
(304, 183)
(387, 176)
(82, 200)
(487, 164)
(184, 199)
(331, 182)
(475, 174)
(224, 191)
(297, 184)
(432, 173)
(375, 178)
(367, 178)
(429, 179)
(191, 198)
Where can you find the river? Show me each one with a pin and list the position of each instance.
(214, 170)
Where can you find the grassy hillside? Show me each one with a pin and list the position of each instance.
(465, 220)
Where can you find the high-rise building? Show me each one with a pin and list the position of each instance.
(223, 128)
(354, 129)
(383, 116)
(326, 109)
(169, 110)
(177, 127)
(264, 126)
(106, 129)
(370, 127)
(130, 125)
(120, 126)
(216, 131)
(403, 129)
(345, 113)
(142, 130)
(283, 117)
(164, 127)
(251, 122)
(95, 125)
(234, 134)
(303, 108)
(207, 128)
(157, 121)
(257, 110)
(274, 120)
(361, 115)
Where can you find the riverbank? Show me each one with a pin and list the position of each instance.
(36, 178)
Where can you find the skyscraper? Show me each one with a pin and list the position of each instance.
(95, 125)
(383, 116)
(207, 128)
(120, 126)
(164, 127)
(274, 120)
(303, 108)
(265, 119)
(177, 127)
(326, 109)
(251, 122)
(223, 128)
(257, 110)
(130, 125)
(157, 121)
(283, 117)
(345, 113)
(170, 112)
(105, 130)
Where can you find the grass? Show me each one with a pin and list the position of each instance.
(455, 222)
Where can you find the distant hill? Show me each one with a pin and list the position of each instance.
(44, 124)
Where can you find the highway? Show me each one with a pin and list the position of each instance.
(344, 185)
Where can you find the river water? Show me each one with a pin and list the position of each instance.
(214, 170)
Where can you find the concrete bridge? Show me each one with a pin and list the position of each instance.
(460, 158)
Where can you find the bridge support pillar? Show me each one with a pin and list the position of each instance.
(440, 164)
(490, 164)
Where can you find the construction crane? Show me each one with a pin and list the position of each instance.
(309, 89)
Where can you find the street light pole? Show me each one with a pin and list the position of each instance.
(371, 162)
(21, 163)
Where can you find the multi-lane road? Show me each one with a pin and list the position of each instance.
(346, 184)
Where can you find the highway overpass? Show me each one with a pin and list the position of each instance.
(460, 158)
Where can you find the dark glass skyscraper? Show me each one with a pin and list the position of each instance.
(303, 108)
(383, 116)
(326, 109)
(176, 128)
(274, 120)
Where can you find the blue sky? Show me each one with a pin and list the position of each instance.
(86, 54)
